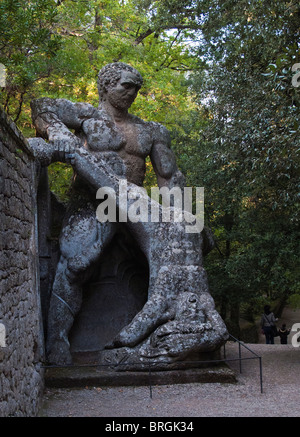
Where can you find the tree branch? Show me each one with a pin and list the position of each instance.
(20, 106)
(142, 36)
(179, 27)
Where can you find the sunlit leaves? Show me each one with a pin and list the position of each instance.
(63, 47)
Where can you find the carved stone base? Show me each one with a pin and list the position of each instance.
(127, 359)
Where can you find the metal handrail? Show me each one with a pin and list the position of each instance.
(240, 359)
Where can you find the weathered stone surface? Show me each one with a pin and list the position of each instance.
(21, 378)
(178, 321)
(118, 291)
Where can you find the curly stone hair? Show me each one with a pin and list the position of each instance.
(111, 73)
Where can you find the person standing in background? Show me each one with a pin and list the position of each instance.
(267, 323)
(283, 334)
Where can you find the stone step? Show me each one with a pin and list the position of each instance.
(95, 376)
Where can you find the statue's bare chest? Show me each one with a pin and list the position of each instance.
(103, 135)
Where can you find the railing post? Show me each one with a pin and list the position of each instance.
(240, 357)
(260, 375)
(150, 382)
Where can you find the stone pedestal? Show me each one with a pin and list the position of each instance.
(98, 377)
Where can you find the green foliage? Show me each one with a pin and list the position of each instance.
(56, 49)
(251, 171)
(60, 178)
(294, 300)
(27, 48)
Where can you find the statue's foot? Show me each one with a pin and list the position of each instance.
(60, 354)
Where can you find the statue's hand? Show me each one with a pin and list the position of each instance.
(65, 148)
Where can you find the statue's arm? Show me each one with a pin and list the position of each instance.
(163, 160)
(53, 119)
(168, 175)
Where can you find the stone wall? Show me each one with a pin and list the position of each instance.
(21, 344)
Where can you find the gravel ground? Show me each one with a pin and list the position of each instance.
(280, 396)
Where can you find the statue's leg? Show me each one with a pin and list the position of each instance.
(65, 303)
(82, 242)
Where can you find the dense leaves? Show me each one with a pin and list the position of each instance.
(251, 171)
(27, 48)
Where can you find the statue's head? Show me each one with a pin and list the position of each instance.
(111, 74)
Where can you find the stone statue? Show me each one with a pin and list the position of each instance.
(110, 145)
